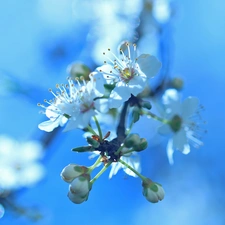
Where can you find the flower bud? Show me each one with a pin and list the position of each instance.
(79, 189)
(142, 145)
(136, 114)
(146, 105)
(76, 198)
(152, 191)
(72, 171)
(78, 70)
(93, 142)
(177, 83)
(131, 140)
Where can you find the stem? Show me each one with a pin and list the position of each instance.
(121, 131)
(153, 116)
(99, 128)
(119, 149)
(91, 130)
(91, 168)
(101, 172)
(132, 169)
(130, 128)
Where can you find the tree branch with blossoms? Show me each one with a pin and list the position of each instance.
(118, 85)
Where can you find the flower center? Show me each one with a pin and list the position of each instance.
(127, 74)
(176, 123)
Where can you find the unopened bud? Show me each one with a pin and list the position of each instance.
(142, 145)
(78, 70)
(79, 189)
(146, 105)
(177, 83)
(131, 140)
(72, 171)
(152, 191)
(76, 198)
(93, 142)
(136, 114)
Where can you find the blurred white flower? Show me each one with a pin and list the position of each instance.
(184, 123)
(161, 10)
(76, 105)
(19, 166)
(128, 72)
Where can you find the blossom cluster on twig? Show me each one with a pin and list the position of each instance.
(117, 89)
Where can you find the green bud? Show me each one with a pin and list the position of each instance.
(83, 149)
(177, 83)
(78, 71)
(136, 114)
(70, 172)
(146, 105)
(152, 191)
(132, 140)
(79, 189)
(142, 145)
(93, 142)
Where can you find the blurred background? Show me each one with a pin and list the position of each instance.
(39, 39)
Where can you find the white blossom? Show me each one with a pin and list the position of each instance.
(128, 72)
(184, 123)
(75, 104)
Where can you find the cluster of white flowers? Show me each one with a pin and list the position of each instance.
(19, 164)
(118, 85)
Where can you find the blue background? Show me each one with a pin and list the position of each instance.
(36, 50)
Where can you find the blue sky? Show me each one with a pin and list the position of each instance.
(37, 44)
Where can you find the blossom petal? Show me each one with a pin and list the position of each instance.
(170, 151)
(186, 149)
(50, 125)
(118, 96)
(115, 168)
(189, 106)
(102, 105)
(108, 72)
(169, 96)
(149, 64)
(134, 162)
(98, 82)
(137, 84)
(180, 140)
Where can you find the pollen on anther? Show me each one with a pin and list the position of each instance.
(39, 104)
(57, 85)
(108, 49)
(105, 62)
(103, 53)
(50, 90)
